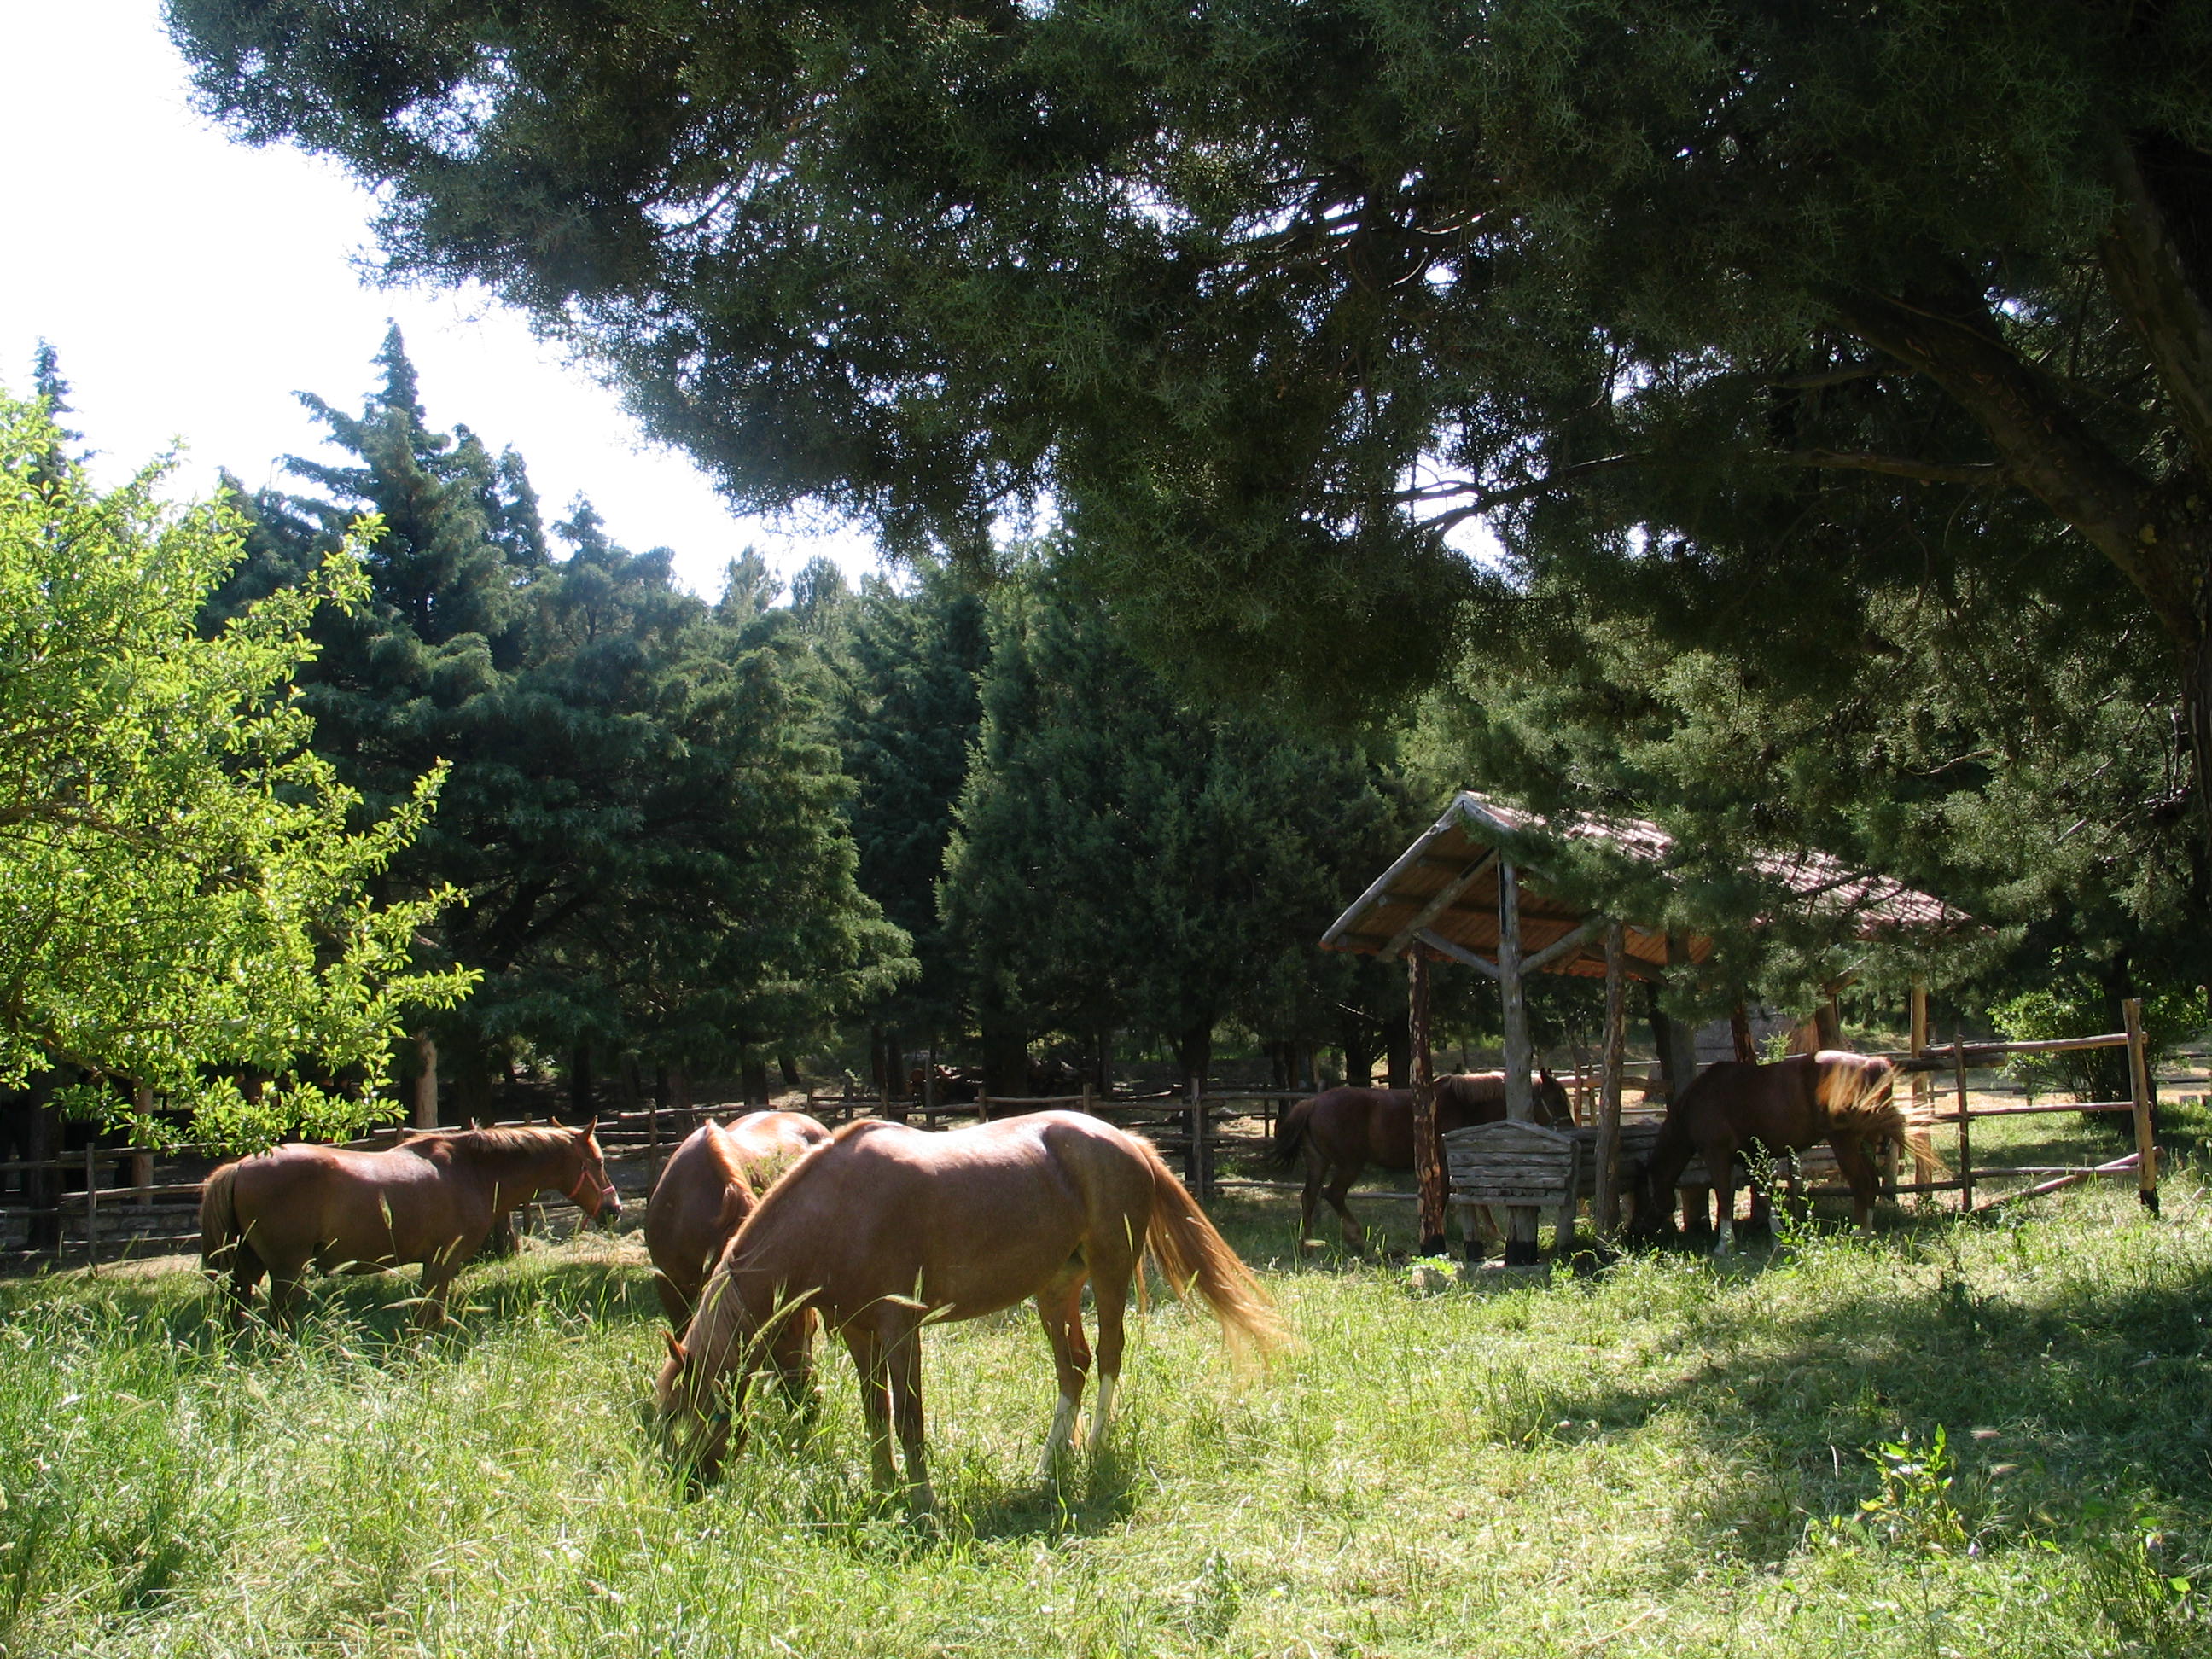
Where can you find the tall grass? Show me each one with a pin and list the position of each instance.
(1953, 1440)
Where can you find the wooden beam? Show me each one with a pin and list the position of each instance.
(1444, 947)
(1381, 885)
(2139, 1079)
(1520, 1100)
(1428, 1150)
(1439, 902)
(1565, 946)
(1605, 1208)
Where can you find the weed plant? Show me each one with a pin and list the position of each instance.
(1951, 1440)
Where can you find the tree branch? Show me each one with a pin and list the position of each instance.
(1485, 500)
(2044, 447)
(2150, 279)
(1901, 466)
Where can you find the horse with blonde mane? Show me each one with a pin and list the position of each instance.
(431, 1199)
(707, 1188)
(1844, 1099)
(886, 1229)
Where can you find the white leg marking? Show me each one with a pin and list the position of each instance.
(1055, 1442)
(1724, 1242)
(1101, 1412)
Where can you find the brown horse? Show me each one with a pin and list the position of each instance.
(707, 1189)
(887, 1228)
(431, 1199)
(1342, 1130)
(1842, 1098)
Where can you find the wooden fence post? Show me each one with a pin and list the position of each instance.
(2139, 1081)
(1428, 1151)
(91, 1208)
(1965, 1122)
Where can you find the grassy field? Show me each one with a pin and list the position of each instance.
(1954, 1440)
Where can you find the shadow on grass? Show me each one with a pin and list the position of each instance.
(2082, 1399)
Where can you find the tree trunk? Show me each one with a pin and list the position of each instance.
(43, 1188)
(579, 1081)
(1005, 1059)
(1358, 1054)
(752, 1072)
(786, 1066)
(1195, 1054)
(1102, 1071)
(1398, 1057)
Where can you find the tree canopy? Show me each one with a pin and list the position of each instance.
(1724, 305)
(187, 896)
(641, 811)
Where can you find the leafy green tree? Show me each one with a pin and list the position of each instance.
(910, 718)
(1123, 861)
(642, 807)
(1739, 306)
(187, 905)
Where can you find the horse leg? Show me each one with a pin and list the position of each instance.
(1858, 1169)
(1060, 1306)
(905, 1369)
(246, 1269)
(1720, 1168)
(285, 1295)
(430, 1311)
(1310, 1200)
(866, 1348)
(1355, 1236)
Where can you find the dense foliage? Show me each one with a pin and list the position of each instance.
(185, 883)
(642, 805)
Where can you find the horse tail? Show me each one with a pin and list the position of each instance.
(1192, 1257)
(219, 1239)
(1290, 1134)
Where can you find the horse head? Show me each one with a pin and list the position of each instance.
(696, 1421)
(591, 1191)
(1553, 1109)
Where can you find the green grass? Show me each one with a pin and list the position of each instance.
(1663, 1459)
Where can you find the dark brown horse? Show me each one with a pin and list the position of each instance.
(1342, 1130)
(431, 1199)
(1842, 1098)
(707, 1189)
(887, 1228)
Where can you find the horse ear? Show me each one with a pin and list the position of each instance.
(675, 1348)
(585, 1133)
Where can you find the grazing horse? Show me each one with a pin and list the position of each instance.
(707, 1188)
(1842, 1098)
(1343, 1130)
(887, 1228)
(431, 1199)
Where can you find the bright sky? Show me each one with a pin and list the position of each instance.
(191, 285)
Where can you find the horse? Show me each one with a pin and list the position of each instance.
(886, 1229)
(431, 1199)
(707, 1189)
(1835, 1096)
(1342, 1130)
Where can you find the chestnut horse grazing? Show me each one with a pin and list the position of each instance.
(887, 1228)
(707, 1189)
(1343, 1130)
(1842, 1098)
(431, 1199)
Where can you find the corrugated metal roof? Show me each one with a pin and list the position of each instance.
(1446, 883)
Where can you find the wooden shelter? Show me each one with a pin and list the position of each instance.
(1456, 893)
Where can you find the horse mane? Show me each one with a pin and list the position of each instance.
(511, 1141)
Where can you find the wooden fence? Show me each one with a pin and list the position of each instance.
(134, 1198)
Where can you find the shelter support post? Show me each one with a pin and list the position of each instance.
(2139, 1082)
(1520, 1102)
(1605, 1196)
(1924, 1086)
(1428, 1151)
